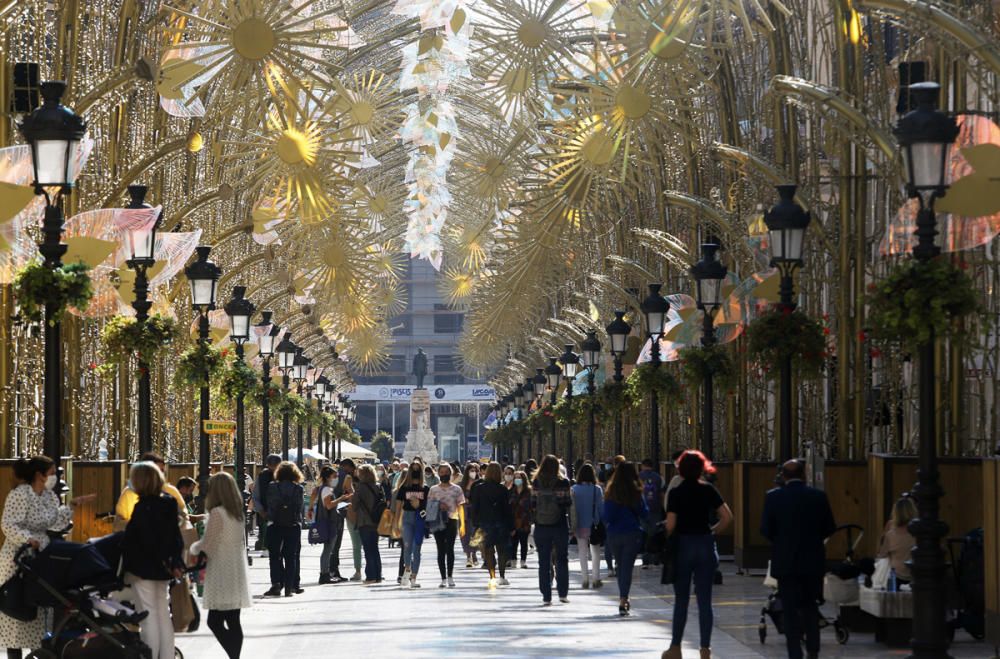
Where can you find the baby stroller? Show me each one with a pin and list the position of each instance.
(970, 579)
(840, 587)
(77, 580)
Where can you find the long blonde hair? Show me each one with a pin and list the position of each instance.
(222, 491)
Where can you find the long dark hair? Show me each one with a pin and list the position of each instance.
(26, 468)
(624, 488)
(548, 472)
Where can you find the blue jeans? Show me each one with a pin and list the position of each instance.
(413, 539)
(373, 561)
(547, 540)
(625, 547)
(697, 557)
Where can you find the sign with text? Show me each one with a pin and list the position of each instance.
(219, 427)
(444, 393)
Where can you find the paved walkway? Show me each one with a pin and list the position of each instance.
(470, 621)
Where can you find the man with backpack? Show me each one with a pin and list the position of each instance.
(284, 534)
(264, 479)
(550, 503)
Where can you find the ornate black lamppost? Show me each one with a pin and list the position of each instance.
(926, 136)
(708, 274)
(286, 351)
(299, 369)
(787, 223)
(591, 352)
(655, 308)
(552, 376)
(519, 396)
(53, 132)
(239, 309)
(319, 387)
(266, 333)
(203, 275)
(141, 240)
(618, 330)
(570, 365)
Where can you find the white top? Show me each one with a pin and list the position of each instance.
(226, 578)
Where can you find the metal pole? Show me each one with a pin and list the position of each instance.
(654, 407)
(203, 446)
(787, 297)
(309, 427)
(284, 420)
(619, 441)
(53, 250)
(569, 435)
(591, 391)
(298, 431)
(239, 453)
(141, 306)
(930, 633)
(265, 404)
(552, 401)
(707, 418)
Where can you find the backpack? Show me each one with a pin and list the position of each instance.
(548, 512)
(378, 504)
(288, 505)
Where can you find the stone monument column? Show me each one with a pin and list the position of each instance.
(420, 440)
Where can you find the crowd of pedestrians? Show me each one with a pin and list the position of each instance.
(618, 511)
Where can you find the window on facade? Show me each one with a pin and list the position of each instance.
(444, 363)
(397, 363)
(448, 323)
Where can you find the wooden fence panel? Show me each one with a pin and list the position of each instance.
(752, 481)
(991, 529)
(106, 480)
(847, 487)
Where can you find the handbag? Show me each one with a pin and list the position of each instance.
(598, 534)
(182, 605)
(385, 524)
(881, 576)
(12, 600)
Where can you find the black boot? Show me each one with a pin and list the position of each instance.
(324, 577)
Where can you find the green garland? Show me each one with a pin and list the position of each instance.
(697, 361)
(66, 286)
(611, 400)
(647, 380)
(274, 393)
(238, 379)
(196, 363)
(922, 299)
(124, 336)
(779, 333)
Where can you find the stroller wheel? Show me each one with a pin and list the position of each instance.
(843, 634)
(762, 632)
(178, 654)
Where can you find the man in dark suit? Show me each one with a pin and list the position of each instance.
(797, 520)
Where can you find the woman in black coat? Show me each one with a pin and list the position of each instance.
(489, 508)
(152, 553)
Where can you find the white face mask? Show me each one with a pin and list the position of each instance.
(333, 481)
(508, 477)
(50, 482)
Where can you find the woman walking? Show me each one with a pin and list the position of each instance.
(284, 532)
(348, 480)
(491, 512)
(31, 509)
(451, 500)
(624, 510)
(588, 505)
(689, 517)
(226, 581)
(469, 479)
(550, 503)
(152, 554)
(368, 500)
(520, 502)
(411, 504)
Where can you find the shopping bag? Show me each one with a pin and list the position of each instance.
(385, 524)
(182, 605)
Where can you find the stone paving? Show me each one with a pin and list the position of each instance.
(352, 620)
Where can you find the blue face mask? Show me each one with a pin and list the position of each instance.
(518, 482)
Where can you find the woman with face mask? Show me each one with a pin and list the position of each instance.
(31, 509)
(411, 501)
(520, 502)
(326, 504)
(451, 499)
(469, 480)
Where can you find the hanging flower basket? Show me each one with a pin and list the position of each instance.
(124, 336)
(647, 380)
(697, 361)
(572, 411)
(66, 286)
(611, 400)
(780, 333)
(237, 379)
(197, 363)
(919, 300)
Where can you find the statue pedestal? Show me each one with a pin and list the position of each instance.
(420, 440)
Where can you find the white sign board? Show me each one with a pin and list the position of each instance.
(444, 393)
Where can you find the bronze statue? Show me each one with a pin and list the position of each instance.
(420, 367)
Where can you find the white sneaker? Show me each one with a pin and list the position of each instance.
(406, 573)
(491, 584)
(413, 582)
(444, 584)
(451, 582)
(503, 581)
(356, 576)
